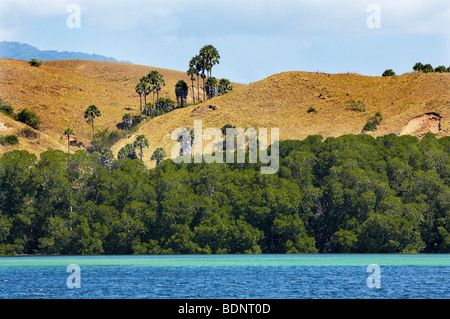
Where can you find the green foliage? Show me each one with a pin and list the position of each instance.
(35, 62)
(158, 155)
(350, 194)
(10, 139)
(373, 122)
(105, 138)
(356, 106)
(29, 118)
(388, 73)
(418, 67)
(427, 68)
(6, 109)
(224, 86)
(440, 69)
(312, 109)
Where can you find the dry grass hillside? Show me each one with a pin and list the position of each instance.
(59, 92)
(298, 103)
(283, 100)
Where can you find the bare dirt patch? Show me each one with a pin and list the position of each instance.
(3, 127)
(419, 125)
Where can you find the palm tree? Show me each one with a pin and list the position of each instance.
(191, 72)
(90, 114)
(211, 87)
(155, 80)
(197, 63)
(107, 157)
(67, 132)
(159, 81)
(127, 121)
(141, 142)
(127, 151)
(158, 155)
(181, 91)
(140, 89)
(211, 57)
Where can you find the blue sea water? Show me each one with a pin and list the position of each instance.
(227, 277)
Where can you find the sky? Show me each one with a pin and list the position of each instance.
(255, 38)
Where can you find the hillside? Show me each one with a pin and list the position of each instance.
(283, 100)
(60, 91)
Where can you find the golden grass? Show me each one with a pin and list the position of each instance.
(60, 91)
(282, 100)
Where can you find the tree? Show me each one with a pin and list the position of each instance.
(127, 121)
(210, 56)
(427, 68)
(128, 150)
(140, 89)
(191, 72)
(418, 67)
(388, 73)
(141, 142)
(155, 80)
(90, 114)
(158, 155)
(211, 87)
(67, 132)
(224, 86)
(440, 69)
(29, 118)
(146, 89)
(107, 157)
(197, 64)
(35, 62)
(181, 92)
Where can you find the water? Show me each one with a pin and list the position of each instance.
(227, 277)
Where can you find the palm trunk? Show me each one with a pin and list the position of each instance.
(204, 93)
(154, 103)
(93, 132)
(68, 144)
(198, 88)
(140, 102)
(193, 93)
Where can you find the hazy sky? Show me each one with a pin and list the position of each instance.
(255, 38)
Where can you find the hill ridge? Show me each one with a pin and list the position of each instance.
(298, 103)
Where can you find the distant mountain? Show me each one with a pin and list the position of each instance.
(23, 51)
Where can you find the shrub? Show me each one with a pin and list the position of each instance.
(356, 106)
(388, 73)
(373, 122)
(427, 68)
(11, 139)
(312, 109)
(28, 133)
(6, 109)
(418, 67)
(35, 62)
(29, 118)
(440, 69)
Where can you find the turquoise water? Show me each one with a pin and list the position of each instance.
(414, 276)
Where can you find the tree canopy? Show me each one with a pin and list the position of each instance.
(350, 194)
